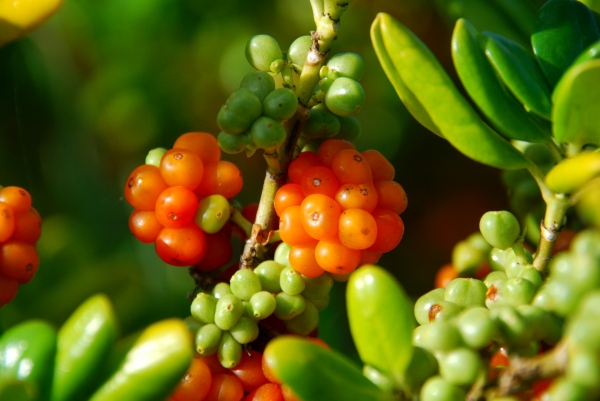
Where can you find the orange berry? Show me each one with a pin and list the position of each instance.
(291, 228)
(182, 167)
(444, 275)
(203, 144)
(335, 257)
(17, 197)
(181, 246)
(382, 169)
(357, 229)
(143, 187)
(266, 392)
(219, 251)
(249, 371)
(319, 180)
(332, 147)
(222, 178)
(18, 260)
(351, 167)
(8, 289)
(225, 387)
(320, 216)
(357, 196)
(368, 257)
(288, 195)
(249, 212)
(195, 384)
(269, 374)
(390, 229)
(302, 259)
(7, 221)
(28, 227)
(391, 196)
(176, 207)
(144, 225)
(300, 164)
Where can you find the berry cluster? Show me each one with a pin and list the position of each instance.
(341, 209)
(250, 380)
(20, 229)
(228, 318)
(181, 200)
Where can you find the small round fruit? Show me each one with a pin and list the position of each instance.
(261, 51)
(239, 111)
(298, 51)
(460, 366)
(228, 311)
(321, 123)
(345, 97)
(267, 133)
(349, 65)
(438, 389)
(212, 213)
(280, 104)
(259, 82)
(154, 156)
(500, 229)
(245, 283)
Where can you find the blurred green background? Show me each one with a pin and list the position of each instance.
(84, 98)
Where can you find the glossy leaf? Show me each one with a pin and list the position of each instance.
(424, 77)
(575, 112)
(381, 320)
(317, 374)
(518, 69)
(412, 104)
(562, 30)
(491, 96)
(153, 366)
(84, 341)
(27, 353)
(18, 18)
(573, 172)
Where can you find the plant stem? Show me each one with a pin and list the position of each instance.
(238, 219)
(279, 160)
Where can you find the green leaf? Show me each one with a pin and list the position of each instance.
(317, 374)
(591, 53)
(562, 30)
(422, 74)
(413, 105)
(574, 172)
(518, 69)
(381, 321)
(491, 96)
(575, 112)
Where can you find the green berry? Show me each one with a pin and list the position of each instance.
(269, 273)
(192, 324)
(245, 330)
(203, 308)
(531, 274)
(207, 339)
(291, 281)
(232, 144)
(305, 322)
(345, 97)
(267, 133)
(546, 326)
(245, 283)
(498, 258)
(321, 123)
(317, 287)
(212, 213)
(281, 104)
(439, 336)
(261, 51)
(513, 292)
(466, 292)
(438, 389)
(442, 311)
(422, 366)
(282, 254)
(349, 129)
(229, 310)
(239, 112)
(349, 65)
(259, 82)
(493, 276)
(513, 266)
(289, 306)
(320, 303)
(460, 366)
(262, 304)
(512, 327)
(155, 156)
(477, 327)
(298, 51)
(425, 302)
(229, 351)
(466, 258)
(500, 229)
(221, 289)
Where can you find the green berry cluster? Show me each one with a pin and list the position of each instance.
(228, 317)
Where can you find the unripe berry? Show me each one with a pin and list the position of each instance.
(261, 51)
(321, 123)
(228, 311)
(305, 322)
(438, 389)
(281, 104)
(466, 292)
(349, 65)
(245, 283)
(259, 82)
(229, 351)
(244, 331)
(289, 306)
(154, 156)
(203, 308)
(291, 281)
(500, 229)
(207, 339)
(269, 273)
(212, 213)
(345, 97)
(239, 111)
(298, 52)
(460, 366)
(477, 327)
(262, 304)
(267, 133)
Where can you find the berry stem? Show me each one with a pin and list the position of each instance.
(238, 219)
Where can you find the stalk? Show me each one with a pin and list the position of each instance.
(279, 160)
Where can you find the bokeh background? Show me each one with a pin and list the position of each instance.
(86, 96)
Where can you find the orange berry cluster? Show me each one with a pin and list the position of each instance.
(20, 229)
(168, 192)
(341, 209)
(250, 380)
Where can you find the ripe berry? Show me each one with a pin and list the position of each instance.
(382, 169)
(357, 229)
(222, 178)
(203, 144)
(182, 167)
(18, 198)
(300, 164)
(319, 180)
(320, 216)
(181, 246)
(391, 196)
(143, 187)
(144, 225)
(335, 257)
(330, 148)
(7, 221)
(176, 207)
(302, 258)
(351, 167)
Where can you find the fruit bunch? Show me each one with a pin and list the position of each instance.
(181, 200)
(341, 209)
(228, 318)
(20, 229)
(250, 380)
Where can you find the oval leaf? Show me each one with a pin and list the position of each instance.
(411, 103)
(491, 96)
(423, 75)
(562, 30)
(520, 72)
(381, 320)
(575, 112)
(573, 172)
(317, 374)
